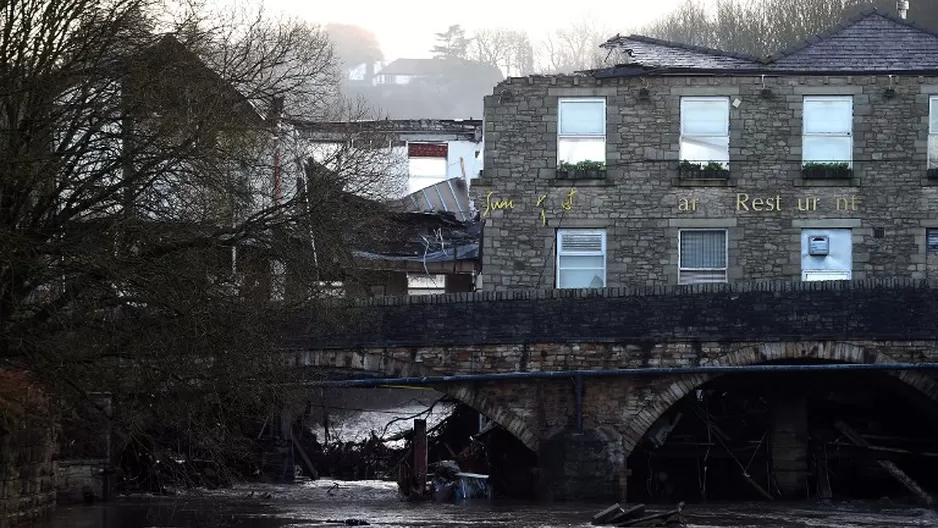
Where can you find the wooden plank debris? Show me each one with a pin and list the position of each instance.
(893, 470)
(654, 517)
(629, 513)
(617, 515)
(604, 516)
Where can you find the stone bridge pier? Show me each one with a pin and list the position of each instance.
(584, 427)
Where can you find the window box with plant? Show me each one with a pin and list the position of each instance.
(584, 170)
(712, 170)
(828, 171)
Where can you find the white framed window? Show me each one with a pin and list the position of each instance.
(581, 258)
(702, 256)
(826, 254)
(827, 129)
(933, 132)
(705, 130)
(422, 284)
(581, 130)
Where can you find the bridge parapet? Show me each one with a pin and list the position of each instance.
(640, 317)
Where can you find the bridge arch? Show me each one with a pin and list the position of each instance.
(390, 365)
(832, 351)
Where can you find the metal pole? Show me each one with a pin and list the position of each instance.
(631, 372)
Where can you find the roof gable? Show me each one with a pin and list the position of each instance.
(872, 41)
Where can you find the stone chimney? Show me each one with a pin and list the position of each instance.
(903, 7)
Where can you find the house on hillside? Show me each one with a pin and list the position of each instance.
(686, 165)
(409, 71)
(430, 88)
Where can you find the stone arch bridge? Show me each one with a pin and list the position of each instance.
(581, 376)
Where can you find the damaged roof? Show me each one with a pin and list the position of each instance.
(871, 41)
(647, 51)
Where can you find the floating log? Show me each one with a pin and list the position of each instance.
(604, 516)
(893, 470)
(616, 514)
(629, 513)
(655, 517)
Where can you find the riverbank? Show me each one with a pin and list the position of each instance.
(330, 503)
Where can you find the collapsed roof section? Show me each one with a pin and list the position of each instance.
(439, 232)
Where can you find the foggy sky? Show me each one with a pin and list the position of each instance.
(406, 29)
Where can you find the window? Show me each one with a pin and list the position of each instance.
(581, 130)
(425, 284)
(828, 130)
(702, 256)
(705, 130)
(933, 132)
(826, 254)
(581, 258)
(931, 240)
(427, 165)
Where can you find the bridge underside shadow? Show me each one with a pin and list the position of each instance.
(788, 436)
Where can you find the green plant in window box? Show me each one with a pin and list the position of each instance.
(584, 170)
(827, 170)
(712, 170)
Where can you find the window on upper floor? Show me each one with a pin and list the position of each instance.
(827, 132)
(826, 254)
(581, 131)
(702, 256)
(933, 132)
(705, 131)
(581, 258)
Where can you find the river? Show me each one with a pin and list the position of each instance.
(330, 503)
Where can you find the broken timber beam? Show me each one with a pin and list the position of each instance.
(745, 474)
(604, 516)
(658, 516)
(893, 470)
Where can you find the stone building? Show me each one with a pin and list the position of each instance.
(683, 165)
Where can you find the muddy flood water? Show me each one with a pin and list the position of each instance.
(332, 503)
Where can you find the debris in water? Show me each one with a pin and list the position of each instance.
(616, 515)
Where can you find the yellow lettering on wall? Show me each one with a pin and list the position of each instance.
(568, 203)
(742, 200)
(540, 203)
(807, 204)
(495, 205)
(687, 205)
(847, 204)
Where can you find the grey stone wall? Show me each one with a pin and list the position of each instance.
(637, 203)
(770, 311)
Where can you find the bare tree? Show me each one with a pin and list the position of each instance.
(507, 49)
(156, 225)
(573, 48)
(757, 27)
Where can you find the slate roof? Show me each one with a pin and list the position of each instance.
(647, 51)
(872, 41)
